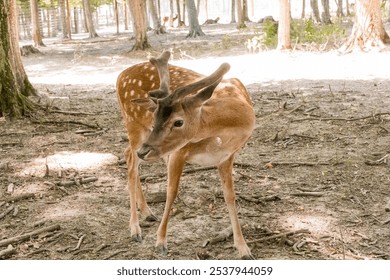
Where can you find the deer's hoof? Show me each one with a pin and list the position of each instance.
(151, 218)
(162, 250)
(136, 237)
(247, 257)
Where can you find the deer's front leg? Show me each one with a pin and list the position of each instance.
(175, 167)
(225, 172)
(132, 184)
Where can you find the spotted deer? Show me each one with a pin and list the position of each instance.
(184, 117)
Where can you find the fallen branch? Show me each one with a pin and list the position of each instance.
(278, 236)
(75, 113)
(7, 211)
(27, 236)
(68, 122)
(342, 119)
(6, 252)
(20, 197)
(114, 254)
(315, 194)
(222, 236)
(302, 163)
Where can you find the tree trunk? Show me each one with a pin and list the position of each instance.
(368, 31)
(316, 11)
(137, 10)
(170, 13)
(116, 16)
(195, 29)
(179, 16)
(36, 30)
(157, 27)
(339, 12)
(68, 25)
(240, 15)
(347, 5)
(88, 19)
(325, 17)
(284, 42)
(14, 84)
(303, 14)
(233, 12)
(245, 10)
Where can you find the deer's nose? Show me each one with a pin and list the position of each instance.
(144, 151)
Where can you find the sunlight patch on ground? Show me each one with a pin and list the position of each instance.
(314, 223)
(68, 160)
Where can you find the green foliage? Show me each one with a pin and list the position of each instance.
(226, 42)
(305, 31)
(309, 32)
(270, 29)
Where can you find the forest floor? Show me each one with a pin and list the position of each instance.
(313, 182)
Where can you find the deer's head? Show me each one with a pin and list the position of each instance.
(177, 114)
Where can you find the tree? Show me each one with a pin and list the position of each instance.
(284, 41)
(339, 12)
(240, 15)
(316, 11)
(63, 17)
(36, 29)
(137, 10)
(14, 84)
(325, 16)
(157, 27)
(233, 12)
(195, 29)
(88, 18)
(303, 13)
(368, 31)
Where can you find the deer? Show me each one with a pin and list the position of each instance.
(182, 116)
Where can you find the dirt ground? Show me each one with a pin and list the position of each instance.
(313, 182)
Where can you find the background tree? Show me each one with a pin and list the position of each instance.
(284, 41)
(325, 16)
(137, 10)
(315, 10)
(36, 28)
(240, 15)
(368, 31)
(157, 27)
(339, 11)
(195, 29)
(14, 84)
(88, 19)
(233, 12)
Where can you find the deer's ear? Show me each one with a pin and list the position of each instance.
(203, 95)
(157, 94)
(146, 104)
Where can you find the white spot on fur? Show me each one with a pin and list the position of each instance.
(134, 81)
(139, 83)
(151, 77)
(153, 85)
(132, 93)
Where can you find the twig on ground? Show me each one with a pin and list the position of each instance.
(7, 211)
(115, 253)
(222, 236)
(27, 236)
(341, 119)
(6, 252)
(68, 122)
(19, 197)
(315, 194)
(278, 236)
(79, 243)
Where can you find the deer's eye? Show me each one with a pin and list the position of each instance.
(178, 123)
